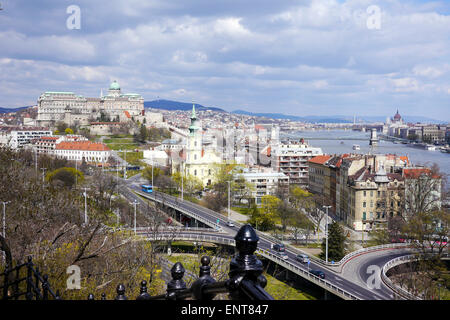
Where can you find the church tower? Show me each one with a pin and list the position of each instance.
(194, 148)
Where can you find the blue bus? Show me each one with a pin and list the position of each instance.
(147, 188)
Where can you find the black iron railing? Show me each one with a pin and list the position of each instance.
(36, 285)
(245, 282)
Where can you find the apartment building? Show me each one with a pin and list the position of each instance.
(263, 183)
(19, 137)
(319, 175)
(373, 197)
(291, 158)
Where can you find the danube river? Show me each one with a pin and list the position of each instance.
(342, 141)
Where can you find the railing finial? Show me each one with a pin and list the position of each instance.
(143, 293)
(204, 279)
(245, 265)
(121, 293)
(177, 283)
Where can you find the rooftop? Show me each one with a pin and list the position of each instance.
(82, 145)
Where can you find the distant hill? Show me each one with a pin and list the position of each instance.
(316, 119)
(412, 119)
(8, 110)
(176, 105)
(336, 118)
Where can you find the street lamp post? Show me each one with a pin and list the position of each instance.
(4, 224)
(85, 206)
(76, 173)
(135, 203)
(43, 174)
(152, 170)
(182, 182)
(229, 183)
(326, 234)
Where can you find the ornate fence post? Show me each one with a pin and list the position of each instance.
(121, 293)
(205, 278)
(177, 283)
(29, 294)
(16, 285)
(45, 286)
(246, 279)
(103, 296)
(36, 284)
(91, 297)
(6, 282)
(143, 294)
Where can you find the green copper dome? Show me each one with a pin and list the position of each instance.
(114, 86)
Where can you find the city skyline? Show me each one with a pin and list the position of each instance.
(302, 58)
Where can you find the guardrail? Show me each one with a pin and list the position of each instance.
(395, 262)
(311, 277)
(176, 206)
(189, 237)
(337, 266)
(388, 282)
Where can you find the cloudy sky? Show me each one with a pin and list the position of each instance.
(314, 57)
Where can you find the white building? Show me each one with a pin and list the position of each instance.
(73, 109)
(264, 183)
(156, 158)
(200, 158)
(17, 137)
(292, 160)
(91, 152)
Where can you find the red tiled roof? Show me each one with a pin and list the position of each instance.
(320, 159)
(417, 172)
(82, 145)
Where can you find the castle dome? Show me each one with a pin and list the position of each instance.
(397, 116)
(114, 86)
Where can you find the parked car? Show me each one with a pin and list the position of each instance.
(279, 247)
(318, 273)
(303, 258)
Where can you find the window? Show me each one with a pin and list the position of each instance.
(364, 193)
(364, 204)
(195, 172)
(364, 216)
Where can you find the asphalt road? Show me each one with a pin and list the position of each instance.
(363, 292)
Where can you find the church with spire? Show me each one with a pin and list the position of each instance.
(199, 160)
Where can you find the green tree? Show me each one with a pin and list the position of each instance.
(143, 133)
(301, 225)
(191, 184)
(147, 173)
(65, 176)
(285, 212)
(336, 243)
(260, 220)
(68, 131)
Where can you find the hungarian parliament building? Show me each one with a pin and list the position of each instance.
(73, 109)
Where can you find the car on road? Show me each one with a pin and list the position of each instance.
(230, 224)
(279, 247)
(283, 255)
(303, 258)
(318, 273)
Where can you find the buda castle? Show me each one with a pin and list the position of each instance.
(75, 109)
